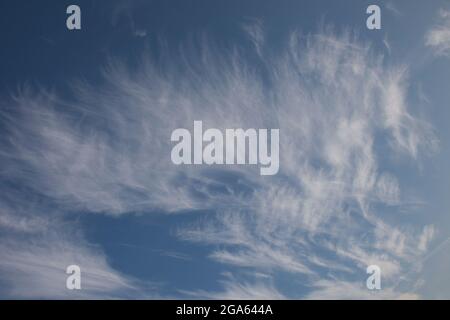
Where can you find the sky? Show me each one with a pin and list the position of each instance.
(86, 176)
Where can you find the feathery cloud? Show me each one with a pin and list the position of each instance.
(107, 151)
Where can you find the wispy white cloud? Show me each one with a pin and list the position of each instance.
(255, 31)
(438, 38)
(333, 98)
(35, 267)
(330, 290)
(37, 244)
(391, 7)
(259, 289)
(426, 237)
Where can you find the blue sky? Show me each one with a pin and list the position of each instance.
(86, 175)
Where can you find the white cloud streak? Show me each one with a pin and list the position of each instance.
(34, 261)
(438, 38)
